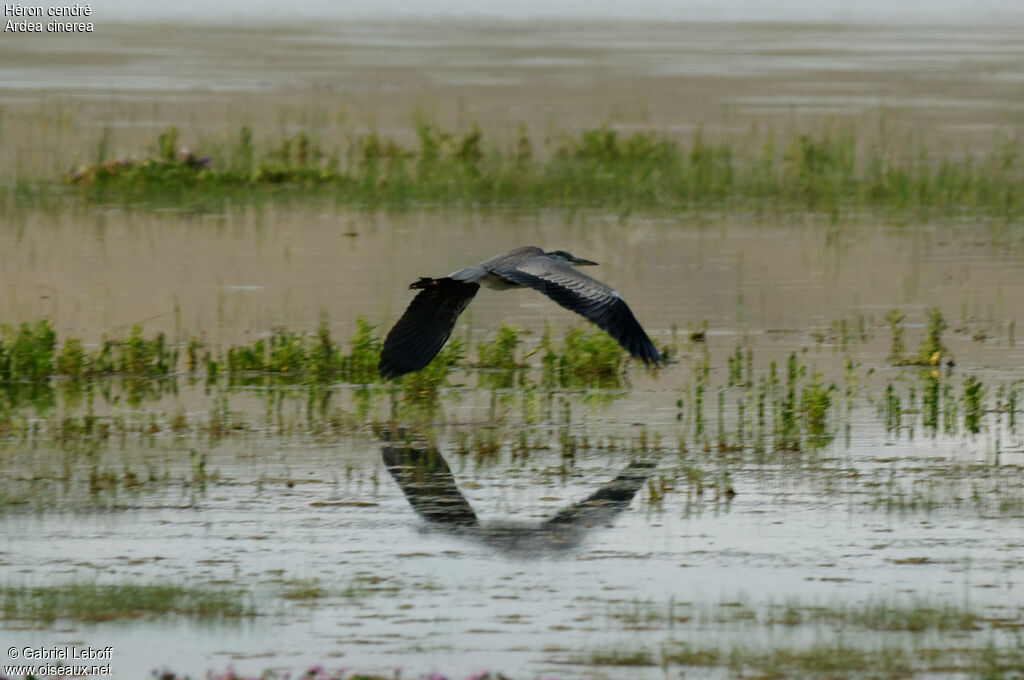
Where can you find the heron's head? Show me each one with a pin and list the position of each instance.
(570, 258)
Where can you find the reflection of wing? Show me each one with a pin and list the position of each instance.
(587, 297)
(609, 500)
(428, 484)
(425, 326)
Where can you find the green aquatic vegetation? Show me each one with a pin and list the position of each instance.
(167, 144)
(844, 332)
(498, 357)
(93, 602)
(787, 423)
(136, 356)
(27, 353)
(197, 463)
(830, 660)
(587, 360)
(893, 410)
(932, 349)
(297, 160)
(72, 362)
(832, 657)
(499, 353)
(239, 359)
(304, 589)
(701, 373)
(801, 406)
(895, 320)
(360, 366)
(820, 170)
(838, 660)
(949, 409)
(723, 440)
(931, 401)
(1012, 407)
(621, 656)
(423, 386)
(302, 357)
(816, 404)
(973, 399)
(192, 354)
(735, 361)
(141, 357)
(832, 172)
(286, 353)
(486, 443)
(916, 615)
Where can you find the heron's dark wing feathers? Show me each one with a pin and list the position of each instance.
(587, 297)
(424, 328)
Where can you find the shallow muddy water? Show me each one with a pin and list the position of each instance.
(289, 502)
(233, 277)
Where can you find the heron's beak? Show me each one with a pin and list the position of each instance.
(579, 261)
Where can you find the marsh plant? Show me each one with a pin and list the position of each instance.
(830, 172)
(498, 358)
(591, 359)
(932, 350)
(91, 601)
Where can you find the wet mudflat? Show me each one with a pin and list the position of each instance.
(826, 479)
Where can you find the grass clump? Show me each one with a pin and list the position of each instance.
(622, 657)
(974, 408)
(361, 365)
(27, 353)
(816, 402)
(136, 356)
(831, 172)
(832, 660)
(586, 360)
(93, 602)
(932, 349)
(915, 616)
(423, 386)
(498, 357)
(313, 358)
(499, 353)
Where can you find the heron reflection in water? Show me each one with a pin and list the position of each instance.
(419, 335)
(428, 484)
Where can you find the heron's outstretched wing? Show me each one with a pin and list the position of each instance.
(424, 328)
(587, 297)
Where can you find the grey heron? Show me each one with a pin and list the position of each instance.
(418, 336)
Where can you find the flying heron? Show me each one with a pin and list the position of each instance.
(428, 321)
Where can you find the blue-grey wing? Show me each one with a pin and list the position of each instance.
(587, 297)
